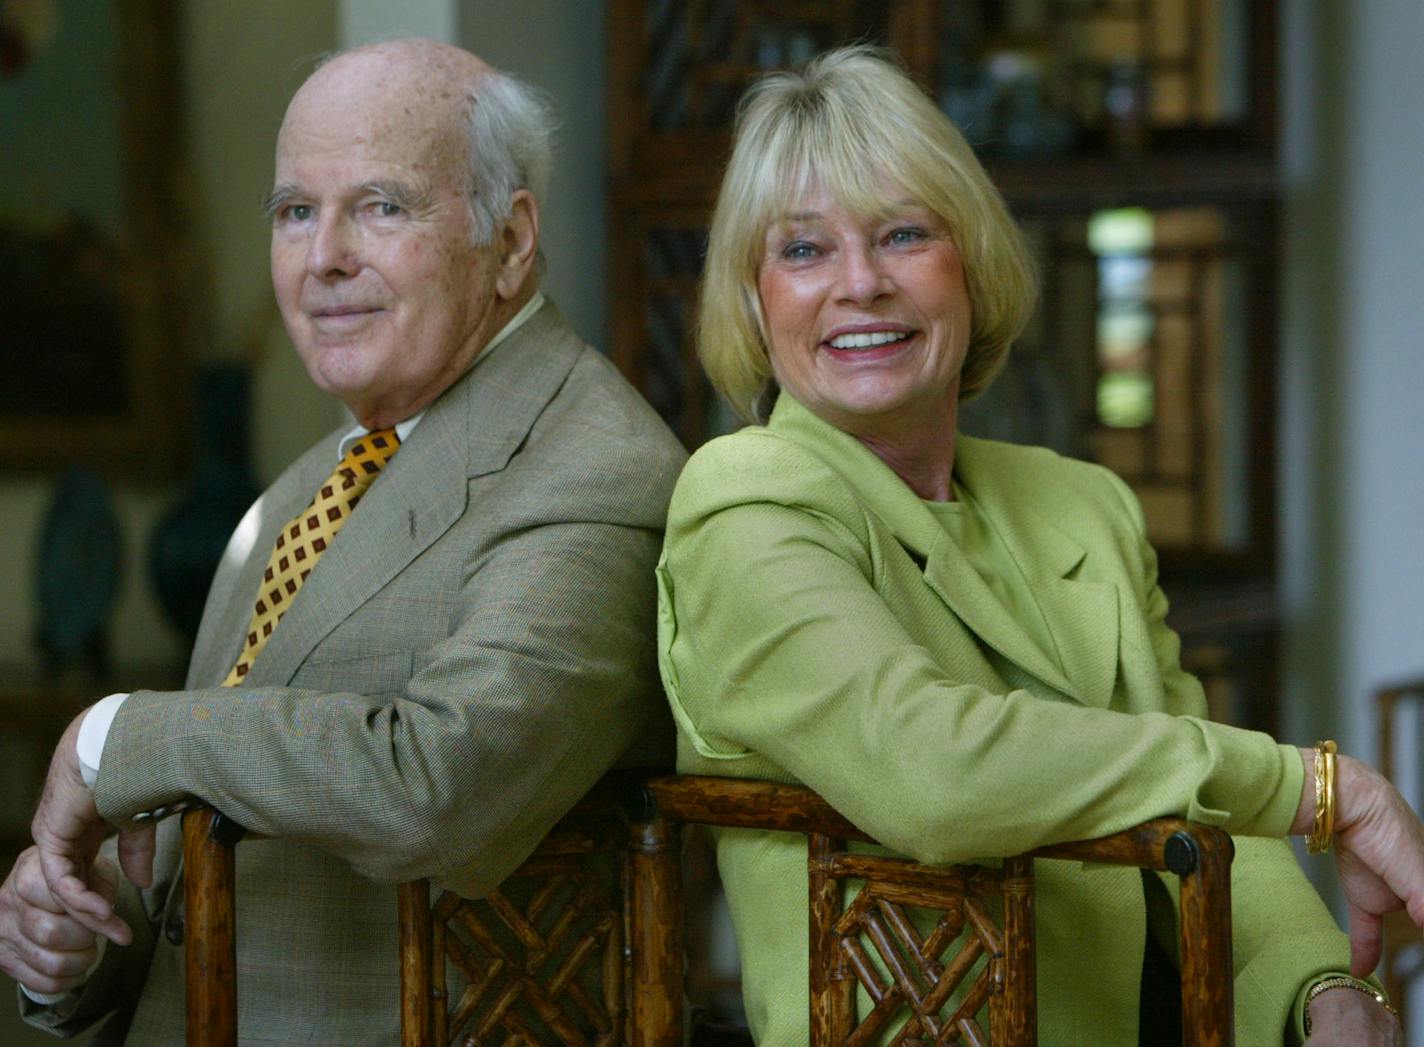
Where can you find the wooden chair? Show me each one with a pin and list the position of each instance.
(1403, 958)
(522, 961)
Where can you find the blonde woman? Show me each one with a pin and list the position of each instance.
(959, 643)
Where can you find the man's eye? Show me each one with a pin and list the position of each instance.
(296, 212)
(386, 209)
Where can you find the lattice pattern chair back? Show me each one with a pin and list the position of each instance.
(542, 957)
(931, 981)
(562, 956)
(545, 959)
(918, 977)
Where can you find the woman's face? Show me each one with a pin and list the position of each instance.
(868, 319)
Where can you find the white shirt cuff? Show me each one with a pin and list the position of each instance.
(93, 732)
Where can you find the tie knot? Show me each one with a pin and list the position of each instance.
(368, 456)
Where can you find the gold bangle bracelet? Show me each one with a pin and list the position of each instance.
(1343, 981)
(1322, 833)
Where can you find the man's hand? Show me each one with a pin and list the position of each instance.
(67, 831)
(1347, 1018)
(41, 946)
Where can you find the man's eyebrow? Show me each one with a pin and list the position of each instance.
(278, 198)
(404, 195)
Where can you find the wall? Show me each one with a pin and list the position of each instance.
(241, 63)
(560, 47)
(1352, 362)
(1352, 372)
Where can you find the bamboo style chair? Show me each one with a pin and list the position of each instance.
(595, 964)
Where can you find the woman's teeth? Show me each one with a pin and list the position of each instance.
(867, 340)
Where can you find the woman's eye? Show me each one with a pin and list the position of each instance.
(798, 250)
(906, 235)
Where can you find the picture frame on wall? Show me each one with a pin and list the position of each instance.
(95, 262)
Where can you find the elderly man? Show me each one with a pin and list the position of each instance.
(420, 691)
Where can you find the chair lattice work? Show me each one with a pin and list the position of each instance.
(540, 959)
(925, 945)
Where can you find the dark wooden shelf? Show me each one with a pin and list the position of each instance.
(1084, 183)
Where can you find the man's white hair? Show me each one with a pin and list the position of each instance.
(510, 127)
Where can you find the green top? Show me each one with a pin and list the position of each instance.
(817, 624)
(979, 540)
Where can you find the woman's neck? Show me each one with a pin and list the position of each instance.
(921, 452)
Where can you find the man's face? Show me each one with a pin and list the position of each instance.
(383, 293)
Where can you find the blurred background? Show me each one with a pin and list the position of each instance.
(1223, 197)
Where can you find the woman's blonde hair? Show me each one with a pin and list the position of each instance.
(847, 124)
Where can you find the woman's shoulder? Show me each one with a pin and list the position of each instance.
(757, 464)
(1053, 481)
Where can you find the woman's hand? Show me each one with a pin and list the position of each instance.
(1347, 1018)
(1379, 853)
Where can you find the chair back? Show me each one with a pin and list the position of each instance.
(583, 944)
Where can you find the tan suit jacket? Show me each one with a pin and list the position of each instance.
(472, 652)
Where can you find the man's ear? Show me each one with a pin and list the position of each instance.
(518, 244)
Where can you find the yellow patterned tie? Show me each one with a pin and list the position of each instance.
(301, 543)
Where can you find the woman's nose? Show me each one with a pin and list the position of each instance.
(862, 276)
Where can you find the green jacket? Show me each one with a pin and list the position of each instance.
(818, 625)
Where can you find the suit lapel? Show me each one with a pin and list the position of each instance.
(472, 430)
(950, 574)
(1081, 613)
(1082, 616)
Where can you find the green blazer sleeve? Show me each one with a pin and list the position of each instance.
(1282, 934)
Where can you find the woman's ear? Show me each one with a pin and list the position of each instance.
(518, 244)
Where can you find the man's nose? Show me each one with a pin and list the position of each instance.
(332, 250)
(861, 277)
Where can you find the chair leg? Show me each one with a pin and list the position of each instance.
(832, 998)
(1203, 861)
(1016, 1019)
(655, 934)
(210, 938)
(413, 905)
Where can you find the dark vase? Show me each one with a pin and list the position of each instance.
(79, 564)
(189, 541)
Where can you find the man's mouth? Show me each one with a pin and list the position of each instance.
(333, 311)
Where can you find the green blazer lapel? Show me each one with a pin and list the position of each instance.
(954, 579)
(1081, 611)
(947, 571)
(471, 431)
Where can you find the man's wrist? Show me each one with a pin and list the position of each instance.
(93, 733)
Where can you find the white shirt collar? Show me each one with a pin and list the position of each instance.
(406, 427)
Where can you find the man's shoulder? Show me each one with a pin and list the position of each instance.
(594, 404)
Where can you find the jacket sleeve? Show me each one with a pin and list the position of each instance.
(778, 646)
(450, 761)
(1282, 935)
